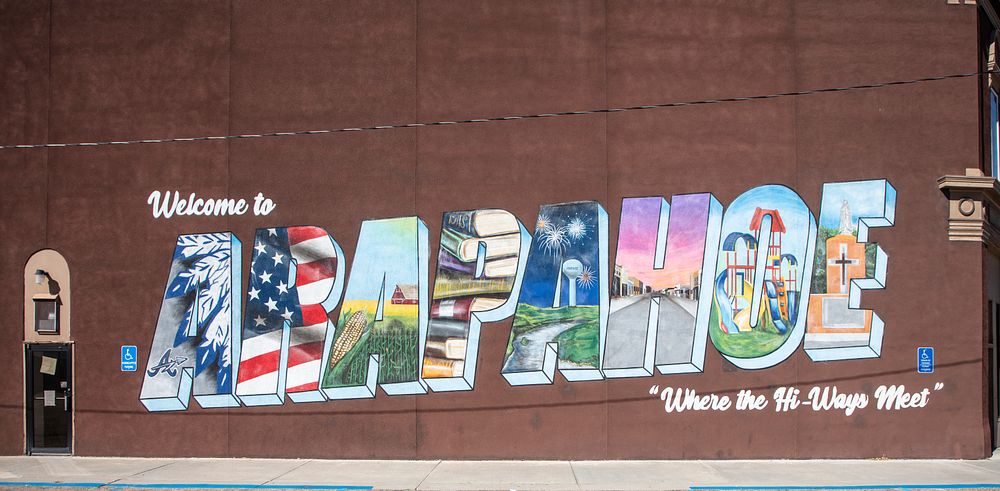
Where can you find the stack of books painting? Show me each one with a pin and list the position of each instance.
(477, 263)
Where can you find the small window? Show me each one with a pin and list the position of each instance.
(46, 316)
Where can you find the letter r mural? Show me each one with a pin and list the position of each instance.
(295, 282)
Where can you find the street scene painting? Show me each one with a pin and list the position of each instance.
(758, 316)
(559, 321)
(846, 263)
(659, 298)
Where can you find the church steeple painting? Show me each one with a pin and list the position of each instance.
(837, 327)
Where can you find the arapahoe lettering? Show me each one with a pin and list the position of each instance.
(758, 278)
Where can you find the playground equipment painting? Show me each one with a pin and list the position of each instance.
(767, 232)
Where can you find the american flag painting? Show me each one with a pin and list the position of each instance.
(293, 272)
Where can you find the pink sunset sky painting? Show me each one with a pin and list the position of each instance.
(688, 225)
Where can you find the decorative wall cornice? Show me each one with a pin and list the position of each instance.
(974, 208)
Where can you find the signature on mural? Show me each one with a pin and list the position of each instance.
(166, 365)
(758, 279)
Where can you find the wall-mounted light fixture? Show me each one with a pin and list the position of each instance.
(40, 276)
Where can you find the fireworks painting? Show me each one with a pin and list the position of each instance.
(576, 228)
(554, 240)
(563, 232)
(560, 295)
(542, 224)
(587, 278)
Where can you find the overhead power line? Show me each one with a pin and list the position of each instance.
(499, 118)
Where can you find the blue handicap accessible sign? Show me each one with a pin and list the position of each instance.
(130, 355)
(925, 360)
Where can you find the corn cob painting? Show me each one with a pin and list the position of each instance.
(357, 323)
(383, 319)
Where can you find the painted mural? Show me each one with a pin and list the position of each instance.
(767, 235)
(383, 320)
(659, 299)
(293, 286)
(480, 262)
(756, 278)
(560, 319)
(196, 342)
(846, 263)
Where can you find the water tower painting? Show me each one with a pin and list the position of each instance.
(572, 269)
(559, 322)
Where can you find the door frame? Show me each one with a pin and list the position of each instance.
(29, 417)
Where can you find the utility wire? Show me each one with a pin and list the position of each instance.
(503, 118)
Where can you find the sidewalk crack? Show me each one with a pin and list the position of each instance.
(283, 474)
(421, 483)
(573, 470)
(112, 482)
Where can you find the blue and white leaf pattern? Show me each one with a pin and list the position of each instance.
(185, 326)
(197, 273)
(208, 260)
(213, 347)
(189, 246)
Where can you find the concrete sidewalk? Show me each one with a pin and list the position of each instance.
(132, 473)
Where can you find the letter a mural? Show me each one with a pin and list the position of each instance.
(562, 310)
(196, 342)
(383, 320)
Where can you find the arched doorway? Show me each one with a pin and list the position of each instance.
(48, 355)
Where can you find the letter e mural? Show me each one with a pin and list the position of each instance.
(846, 263)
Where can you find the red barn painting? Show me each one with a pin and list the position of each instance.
(405, 295)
